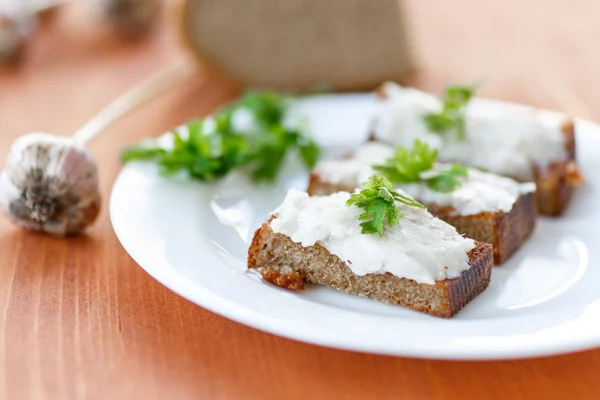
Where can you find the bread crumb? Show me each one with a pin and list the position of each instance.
(291, 280)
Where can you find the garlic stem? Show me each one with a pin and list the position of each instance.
(50, 183)
(38, 8)
(136, 96)
(28, 8)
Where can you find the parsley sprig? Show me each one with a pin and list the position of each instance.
(418, 166)
(379, 202)
(215, 146)
(451, 119)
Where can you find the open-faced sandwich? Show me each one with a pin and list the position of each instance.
(375, 243)
(522, 143)
(483, 206)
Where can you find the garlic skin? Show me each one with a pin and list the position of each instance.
(50, 184)
(12, 39)
(133, 17)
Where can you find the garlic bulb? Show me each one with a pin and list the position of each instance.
(12, 39)
(131, 16)
(50, 184)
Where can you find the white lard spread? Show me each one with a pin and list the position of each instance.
(421, 247)
(479, 192)
(503, 139)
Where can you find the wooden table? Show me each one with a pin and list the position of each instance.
(79, 319)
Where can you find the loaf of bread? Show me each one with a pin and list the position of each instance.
(301, 45)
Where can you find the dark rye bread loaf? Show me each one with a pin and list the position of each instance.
(288, 264)
(301, 44)
(506, 231)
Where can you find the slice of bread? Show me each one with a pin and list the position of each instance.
(288, 264)
(506, 231)
(555, 181)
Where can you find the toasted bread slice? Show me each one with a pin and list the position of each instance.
(486, 208)
(506, 231)
(288, 264)
(555, 181)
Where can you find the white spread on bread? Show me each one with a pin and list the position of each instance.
(356, 168)
(479, 192)
(503, 139)
(421, 247)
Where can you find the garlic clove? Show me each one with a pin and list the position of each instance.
(12, 39)
(50, 184)
(132, 17)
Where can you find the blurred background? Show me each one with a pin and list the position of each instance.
(537, 52)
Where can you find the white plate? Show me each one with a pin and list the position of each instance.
(544, 301)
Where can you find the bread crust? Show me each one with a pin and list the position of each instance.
(556, 182)
(506, 231)
(277, 256)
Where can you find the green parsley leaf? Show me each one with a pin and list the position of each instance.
(268, 152)
(418, 165)
(266, 106)
(446, 181)
(200, 155)
(141, 153)
(406, 166)
(214, 147)
(309, 151)
(451, 119)
(379, 202)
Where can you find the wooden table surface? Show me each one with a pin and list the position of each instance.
(79, 319)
